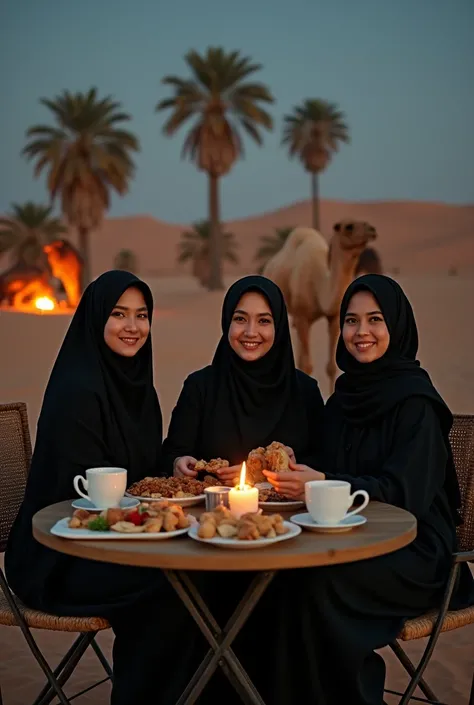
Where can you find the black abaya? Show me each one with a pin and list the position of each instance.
(394, 445)
(225, 410)
(99, 409)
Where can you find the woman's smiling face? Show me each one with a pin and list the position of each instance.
(128, 325)
(252, 329)
(365, 332)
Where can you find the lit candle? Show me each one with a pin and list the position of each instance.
(243, 498)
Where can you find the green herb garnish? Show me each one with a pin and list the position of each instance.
(98, 524)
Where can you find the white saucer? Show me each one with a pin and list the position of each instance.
(307, 522)
(125, 503)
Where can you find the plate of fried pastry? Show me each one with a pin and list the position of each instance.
(270, 499)
(153, 520)
(185, 491)
(254, 530)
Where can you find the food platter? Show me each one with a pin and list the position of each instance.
(280, 503)
(182, 501)
(62, 529)
(292, 531)
(185, 491)
(153, 520)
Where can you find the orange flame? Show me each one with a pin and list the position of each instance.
(44, 303)
(31, 290)
(243, 477)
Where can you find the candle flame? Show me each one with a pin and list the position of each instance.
(243, 476)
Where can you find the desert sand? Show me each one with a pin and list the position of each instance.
(413, 236)
(423, 240)
(186, 329)
(428, 237)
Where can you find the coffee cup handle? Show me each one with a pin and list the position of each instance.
(366, 497)
(76, 481)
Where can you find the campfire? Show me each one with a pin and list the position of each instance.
(29, 289)
(44, 303)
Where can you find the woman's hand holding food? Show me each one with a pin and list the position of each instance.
(291, 484)
(229, 475)
(291, 455)
(184, 466)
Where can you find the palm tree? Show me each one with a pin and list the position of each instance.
(26, 229)
(127, 260)
(87, 156)
(313, 132)
(223, 103)
(271, 244)
(195, 246)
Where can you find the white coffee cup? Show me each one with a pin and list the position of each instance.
(105, 486)
(328, 500)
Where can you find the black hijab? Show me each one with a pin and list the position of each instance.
(369, 391)
(99, 409)
(252, 399)
(86, 366)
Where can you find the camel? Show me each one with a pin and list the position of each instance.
(369, 263)
(313, 277)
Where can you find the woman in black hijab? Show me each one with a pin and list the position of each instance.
(251, 394)
(386, 431)
(100, 409)
(248, 397)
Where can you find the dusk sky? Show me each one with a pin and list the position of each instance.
(401, 70)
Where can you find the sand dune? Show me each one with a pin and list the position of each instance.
(413, 236)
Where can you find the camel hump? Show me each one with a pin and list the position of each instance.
(301, 235)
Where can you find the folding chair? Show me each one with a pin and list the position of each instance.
(15, 457)
(432, 624)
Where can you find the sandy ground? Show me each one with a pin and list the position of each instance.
(186, 329)
(412, 236)
(185, 332)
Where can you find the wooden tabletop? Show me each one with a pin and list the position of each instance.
(387, 529)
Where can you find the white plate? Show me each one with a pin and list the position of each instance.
(62, 529)
(307, 522)
(125, 503)
(293, 531)
(182, 501)
(281, 506)
(275, 506)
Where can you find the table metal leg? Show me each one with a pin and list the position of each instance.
(220, 640)
(216, 629)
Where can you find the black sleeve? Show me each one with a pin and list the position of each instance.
(183, 431)
(315, 411)
(414, 472)
(73, 445)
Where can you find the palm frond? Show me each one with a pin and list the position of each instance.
(27, 228)
(313, 132)
(221, 99)
(87, 154)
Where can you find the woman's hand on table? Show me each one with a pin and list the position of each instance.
(291, 484)
(184, 466)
